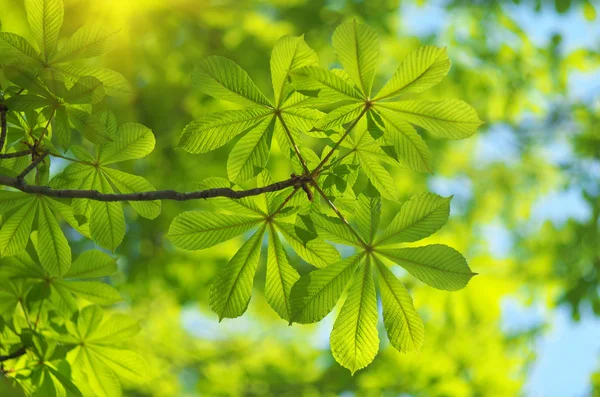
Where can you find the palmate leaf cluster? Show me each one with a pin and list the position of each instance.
(54, 315)
(364, 133)
(52, 303)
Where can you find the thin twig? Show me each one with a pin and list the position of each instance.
(315, 172)
(293, 143)
(3, 125)
(23, 186)
(338, 213)
(15, 154)
(31, 166)
(17, 353)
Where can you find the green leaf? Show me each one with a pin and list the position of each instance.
(328, 86)
(289, 53)
(316, 252)
(250, 154)
(402, 321)
(450, 118)
(224, 79)
(45, 18)
(128, 183)
(114, 83)
(86, 90)
(333, 229)
(419, 217)
(87, 42)
(410, 147)
(437, 265)
(214, 130)
(195, 230)
(357, 48)
(10, 200)
(281, 276)
(368, 213)
(99, 293)
(378, 175)
(61, 130)
(92, 264)
(316, 293)
(53, 248)
(102, 380)
(354, 339)
(339, 116)
(126, 364)
(26, 102)
(16, 50)
(420, 70)
(107, 222)
(88, 125)
(132, 141)
(15, 232)
(231, 291)
(115, 329)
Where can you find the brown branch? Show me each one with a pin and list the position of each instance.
(31, 166)
(3, 125)
(21, 185)
(17, 353)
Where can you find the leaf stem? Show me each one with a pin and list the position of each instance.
(339, 214)
(293, 143)
(315, 172)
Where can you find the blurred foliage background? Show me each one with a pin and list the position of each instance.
(526, 208)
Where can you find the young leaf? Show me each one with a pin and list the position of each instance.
(419, 217)
(419, 71)
(289, 53)
(281, 276)
(231, 291)
(357, 48)
(45, 18)
(450, 118)
(250, 154)
(195, 230)
(354, 339)
(437, 265)
(316, 293)
(214, 130)
(224, 79)
(402, 322)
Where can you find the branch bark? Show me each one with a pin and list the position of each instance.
(20, 184)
